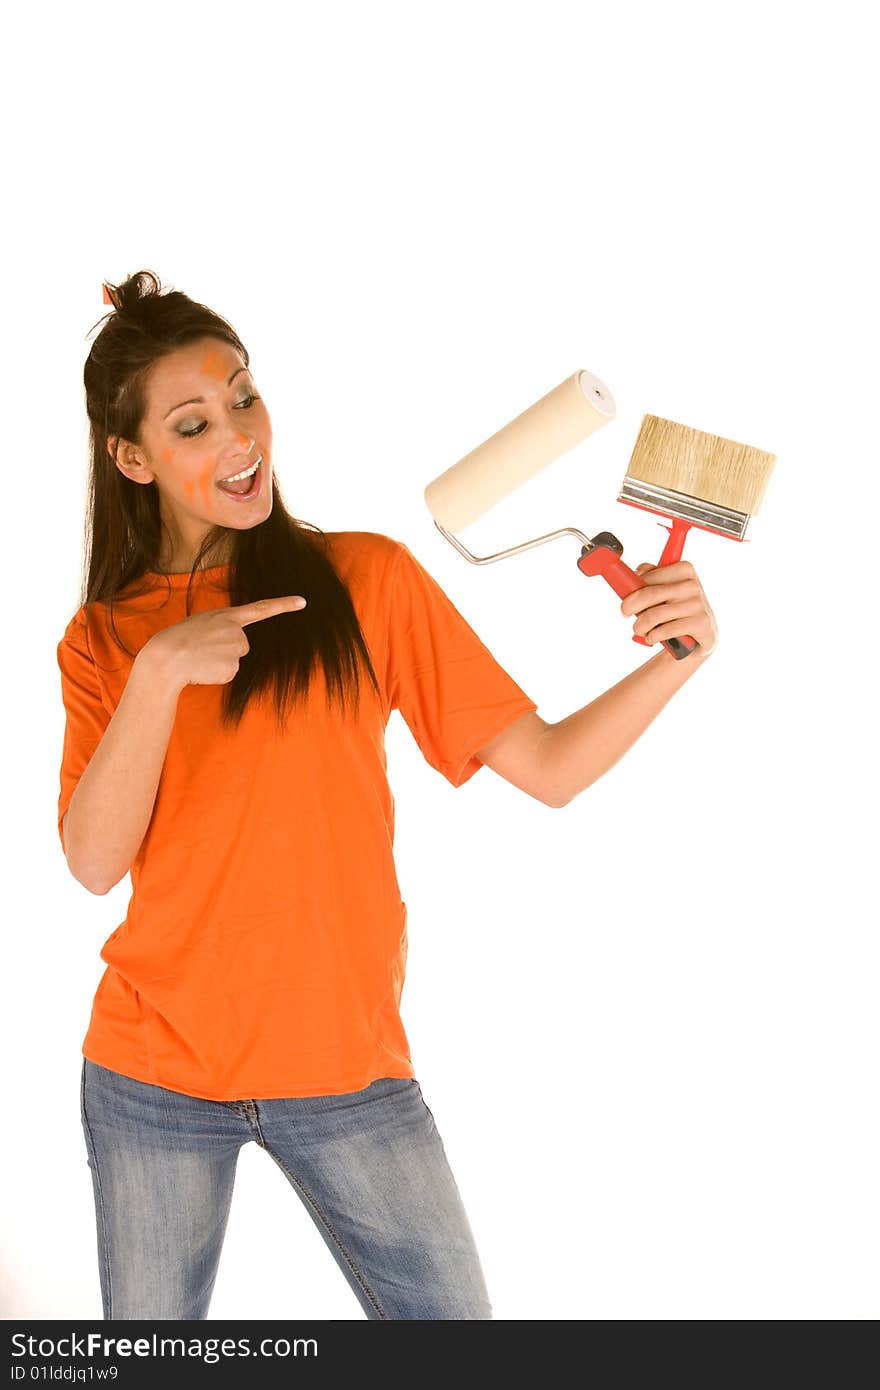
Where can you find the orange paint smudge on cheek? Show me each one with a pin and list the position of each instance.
(168, 455)
(206, 479)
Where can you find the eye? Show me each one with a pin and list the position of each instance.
(244, 404)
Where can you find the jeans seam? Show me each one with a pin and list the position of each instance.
(349, 1261)
(105, 1254)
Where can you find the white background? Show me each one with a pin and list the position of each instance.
(647, 1023)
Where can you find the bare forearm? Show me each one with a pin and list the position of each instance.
(112, 804)
(579, 749)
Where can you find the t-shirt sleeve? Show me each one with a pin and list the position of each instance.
(449, 688)
(87, 716)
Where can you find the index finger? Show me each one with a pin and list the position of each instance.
(260, 608)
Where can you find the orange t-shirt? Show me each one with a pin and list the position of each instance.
(264, 947)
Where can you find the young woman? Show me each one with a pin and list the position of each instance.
(227, 681)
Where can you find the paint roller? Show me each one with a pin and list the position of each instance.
(694, 478)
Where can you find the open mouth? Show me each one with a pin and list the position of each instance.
(244, 487)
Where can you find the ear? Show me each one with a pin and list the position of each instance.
(129, 461)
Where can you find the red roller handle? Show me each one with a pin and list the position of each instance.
(604, 559)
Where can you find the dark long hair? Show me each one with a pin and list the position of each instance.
(123, 532)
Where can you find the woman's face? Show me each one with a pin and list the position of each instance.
(188, 445)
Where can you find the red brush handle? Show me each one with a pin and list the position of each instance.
(604, 559)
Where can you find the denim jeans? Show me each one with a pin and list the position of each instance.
(369, 1165)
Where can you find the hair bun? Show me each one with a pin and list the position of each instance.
(130, 294)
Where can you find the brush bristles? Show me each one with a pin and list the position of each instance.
(701, 465)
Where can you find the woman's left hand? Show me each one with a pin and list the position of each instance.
(672, 604)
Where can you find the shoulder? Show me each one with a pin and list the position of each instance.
(88, 634)
(364, 556)
(75, 633)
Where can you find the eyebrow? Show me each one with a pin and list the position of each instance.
(193, 399)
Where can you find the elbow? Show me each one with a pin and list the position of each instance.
(99, 890)
(561, 800)
(89, 880)
(97, 884)
(90, 884)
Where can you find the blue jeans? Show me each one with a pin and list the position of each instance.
(369, 1165)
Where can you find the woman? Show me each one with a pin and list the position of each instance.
(253, 990)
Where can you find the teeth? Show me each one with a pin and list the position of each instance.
(245, 473)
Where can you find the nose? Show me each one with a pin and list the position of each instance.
(243, 445)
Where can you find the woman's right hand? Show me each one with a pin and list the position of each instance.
(206, 648)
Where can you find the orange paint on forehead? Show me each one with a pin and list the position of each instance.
(214, 365)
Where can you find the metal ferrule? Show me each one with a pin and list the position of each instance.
(679, 504)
